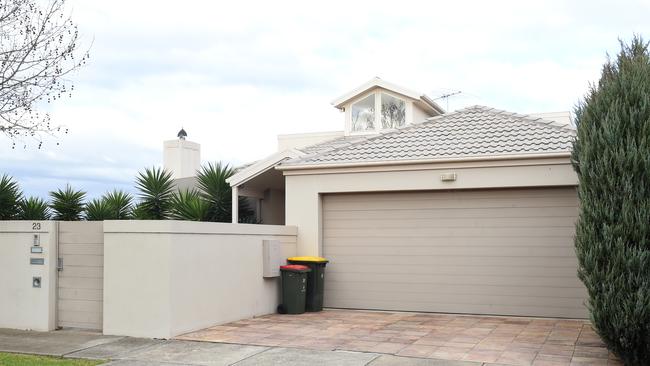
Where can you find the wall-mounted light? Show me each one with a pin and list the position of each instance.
(448, 177)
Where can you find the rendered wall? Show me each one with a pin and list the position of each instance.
(21, 305)
(182, 158)
(419, 115)
(165, 278)
(273, 207)
(303, 188)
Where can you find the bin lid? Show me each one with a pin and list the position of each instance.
(308, 259)
(295, 268)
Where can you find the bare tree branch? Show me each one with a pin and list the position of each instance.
(38, 48)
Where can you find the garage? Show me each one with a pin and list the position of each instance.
(492, 251)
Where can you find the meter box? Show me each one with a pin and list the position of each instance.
(272, 258)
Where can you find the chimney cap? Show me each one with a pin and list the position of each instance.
(182, 134)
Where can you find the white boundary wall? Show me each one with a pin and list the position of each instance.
(23, 306)
(165, 278)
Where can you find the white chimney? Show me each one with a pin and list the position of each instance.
(181, 157)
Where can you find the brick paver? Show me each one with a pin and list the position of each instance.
(488, 339)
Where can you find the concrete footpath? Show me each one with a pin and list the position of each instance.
(123, 351)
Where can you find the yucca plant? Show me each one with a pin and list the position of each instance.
(68, 204)
(211, 180)
(98, 210)
(10, 196)
(137, 212)
(120, 204)
(33, 208)
(155, 188)
(189, 205)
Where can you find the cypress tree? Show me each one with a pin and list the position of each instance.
(611, 156)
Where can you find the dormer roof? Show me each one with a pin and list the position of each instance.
(376, 82)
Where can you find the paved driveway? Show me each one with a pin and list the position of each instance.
(484, 339)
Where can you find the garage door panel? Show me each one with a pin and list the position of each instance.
(450, 250)
(505, 270)
(433, 260)
(494, 280)
(465, 299)
(512, 193)
(568, 212)
(335, 287)
(462, 222)
(535, 202)
(506, 251)
(450, 232)
(460, 240)
(397, 304)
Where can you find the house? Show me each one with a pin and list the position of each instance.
(466, 212)
(471, 211)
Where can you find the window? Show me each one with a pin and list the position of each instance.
(393, 112)
(363, 114)
(378, 111)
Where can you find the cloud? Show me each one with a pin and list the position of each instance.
(236, 74)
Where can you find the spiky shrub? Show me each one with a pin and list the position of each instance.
(211, 180)
(33, 208)
(611, 156)
(155, 190)
(120, 204)
(137, 212)
(98, 210)
(10, 196)
(189, 205)
(67, 204)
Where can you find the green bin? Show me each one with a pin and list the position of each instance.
(315, 280)
(294, 289)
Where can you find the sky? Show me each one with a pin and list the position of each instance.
(236, 74)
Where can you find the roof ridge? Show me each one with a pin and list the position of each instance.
(536, 120)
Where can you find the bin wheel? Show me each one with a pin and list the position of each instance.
(281, 309)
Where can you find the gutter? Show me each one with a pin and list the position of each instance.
(424, 161)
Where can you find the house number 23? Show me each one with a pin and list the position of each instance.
(36, 226)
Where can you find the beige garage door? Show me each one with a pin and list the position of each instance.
(505, 252)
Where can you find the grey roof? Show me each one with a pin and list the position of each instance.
(329, 145)
(470, 132)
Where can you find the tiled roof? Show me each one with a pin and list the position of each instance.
(330, 145)
(470, 132)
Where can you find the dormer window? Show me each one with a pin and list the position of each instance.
(393, 112)
(363, 114)
(378, 106)
(363, 117)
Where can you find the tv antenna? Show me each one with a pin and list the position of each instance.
(446, 97)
